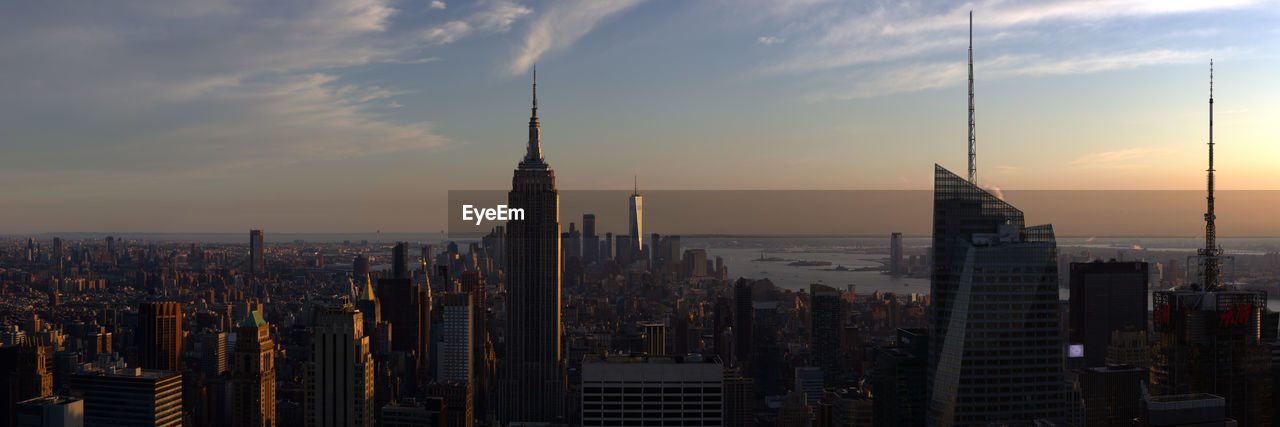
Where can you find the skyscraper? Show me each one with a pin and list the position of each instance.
(895, 254)
(255, 373)
(995, 316)
(614, 388)
(636, 221)
(400, 260)
(534, 378)
(117, 395)
(340, 374)
(257, 259)
(898, 381)
(590, 241)
(1213, 338)
(160, 335)
(1106, 297)
(407, 307)
(456, 350)
(824, 332)
(742, 320)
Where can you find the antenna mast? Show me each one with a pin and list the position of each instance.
(973, 146)
(1211, 252)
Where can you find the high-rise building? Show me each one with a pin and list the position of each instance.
(1105, 297)
(995, 316)
(118, 395)
(340, 373)
(1213, 342)
(590, 241)
(400, 260)
(24, 374)
(739, 399)
(606, 248)
(1196, 409)
(809, 380)
(534, 377)
(626, 390)
(406, 306)
(636, 222)
(655, 338)
(898, 380)
(160, 335)
(1112, 394)
(742, 320)
(1213, 338)
(255, 373)
(624, 250)
(824, 331)
(695, 263)
(360, 266)
(895, 254)
(213, 353)
(456, 349)
(722, 322)
(257, 259)
(50, 411)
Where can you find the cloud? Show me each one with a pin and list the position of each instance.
(561, 25)
(881, 41)
(436, 4)
(114, 89)
(1120, 159)
(770, 40)
(446, 33)
(494, 16)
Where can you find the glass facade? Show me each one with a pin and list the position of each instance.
(996, 353)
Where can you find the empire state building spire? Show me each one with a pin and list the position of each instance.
(533, 156)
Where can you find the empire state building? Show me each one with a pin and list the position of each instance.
(534, 368)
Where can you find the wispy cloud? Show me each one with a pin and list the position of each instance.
(1120, 159)
(562, 24)
(436, 4)
(494, 16)
(241, 86)
(770, 40)
(882, 42)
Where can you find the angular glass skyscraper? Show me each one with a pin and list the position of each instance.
(534, 377)
(996, 353)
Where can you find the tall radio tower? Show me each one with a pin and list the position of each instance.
(973, 146)
(1212, 253)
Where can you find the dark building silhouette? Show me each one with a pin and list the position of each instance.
(590, 241)
(742, 320)
(119, 395)
(898, 380)
(1105, 297)
(824, 332)
(1112, 394)
(896, 267)
(996, 315)
(534, 377)
(257, 259)
(400, 260)
(1218, 343)
(160, 335)
(407, 307)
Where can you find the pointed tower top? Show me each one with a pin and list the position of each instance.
(635, 185)
(533, 154)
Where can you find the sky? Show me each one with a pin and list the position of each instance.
(360, 115)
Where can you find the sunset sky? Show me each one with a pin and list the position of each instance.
(355, 115)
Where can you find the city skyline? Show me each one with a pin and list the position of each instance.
(373, 109)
